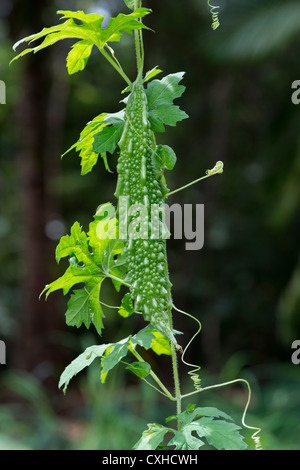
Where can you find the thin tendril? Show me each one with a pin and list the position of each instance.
(255, 437)
(214, 14)
(216, 170)
(194, 374)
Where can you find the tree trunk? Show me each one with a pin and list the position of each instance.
(39, 121)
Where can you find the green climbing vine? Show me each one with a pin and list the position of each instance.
(126, 242)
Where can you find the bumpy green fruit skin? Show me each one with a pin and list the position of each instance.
(147, 265)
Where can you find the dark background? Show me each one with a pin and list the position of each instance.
(244, 285)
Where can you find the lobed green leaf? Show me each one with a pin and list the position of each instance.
(107, 140)
(219, 433)
(160, 96)
(186, 417)
(78, 312)
(184, 440)
(91, 260)
(126, 23)
(90, 31)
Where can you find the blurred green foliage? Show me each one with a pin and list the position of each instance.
(243, 285)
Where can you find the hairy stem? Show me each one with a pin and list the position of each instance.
(176, 383)
(174, 359)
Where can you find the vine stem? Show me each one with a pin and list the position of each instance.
(176, 383)
(174, 358)
(165, 391)
(115, 65)
(140, 65)
(138, 36)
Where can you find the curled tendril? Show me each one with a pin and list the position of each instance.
(194, 375)
(217, 169)
(214, 14)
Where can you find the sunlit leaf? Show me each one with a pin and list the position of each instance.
(90, 31)
(152, 73)
(78, 56)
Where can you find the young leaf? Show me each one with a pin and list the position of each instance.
(151, 437)
(164, 157)
(141, 369)
(78, 56)
(90, 30)
(126, 308)
(67, 30)
(160, 96)
(152, 73)
(160, 344)
(75, 244)
(126, 23)
(85, 143)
